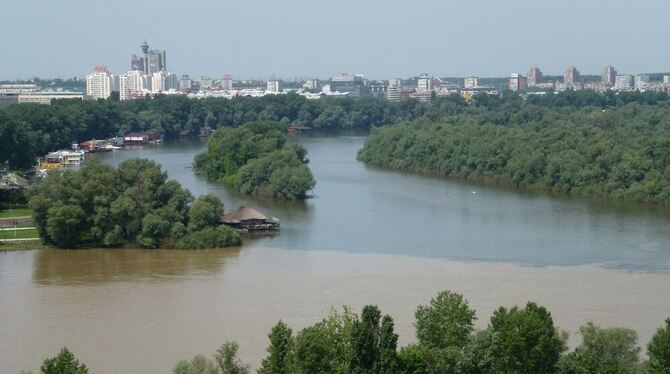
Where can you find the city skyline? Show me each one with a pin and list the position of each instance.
(264, 39)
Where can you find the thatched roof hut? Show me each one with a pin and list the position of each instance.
(248, 218)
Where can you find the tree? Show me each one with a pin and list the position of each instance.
(65, 226)
(610, 350)
(387, 363)
(63, 363)
(280, 351)
(198, 365)
(659, 350)
(314, 353)
(524, 340)
(206, 211)
(227, 360)
(447, 321)
(365, 340)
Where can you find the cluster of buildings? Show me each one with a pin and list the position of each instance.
(610, 79)
(148, 76)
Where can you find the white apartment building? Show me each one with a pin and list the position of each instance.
(471, 82)
(131, 84)
(394, 91)
(99, 85)
(641, 82)
(424, 84)
(623, 82)
(272, 86)
(163, 81)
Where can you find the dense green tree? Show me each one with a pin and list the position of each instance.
(313, 352)
(447, 321)
(227, 360)
(387, 362)
(524, 340)
(198, 365)
(98, 205)
(365, 340)
(658, 350)
(280, 351)
(206, 211)
(610, 350)
(63, 363)
(255, 160)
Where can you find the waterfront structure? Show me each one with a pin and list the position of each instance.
(393, 92)
(623, 83)
(99, 84)
(272, 86)
(246, 218)
(534, 76)
(471, 82)
(571, 78)
(516, 82)
(141, 138)
(63, 158)
(131, 84)
(608, 76)
(423, 84)
(641, 82)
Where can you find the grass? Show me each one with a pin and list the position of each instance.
(20, 212)
(19, 234)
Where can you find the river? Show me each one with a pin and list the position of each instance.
(367, 236)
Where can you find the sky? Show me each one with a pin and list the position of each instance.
(289, 39)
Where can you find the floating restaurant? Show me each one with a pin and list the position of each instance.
(246, 218)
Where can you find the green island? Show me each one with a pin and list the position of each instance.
(590, 148)
(255, 159)
(516, 340)
(132, 205)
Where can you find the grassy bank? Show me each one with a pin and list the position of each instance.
(19, 234)
(23, 246)
(18, 212)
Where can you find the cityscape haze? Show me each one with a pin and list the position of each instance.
(307, 39)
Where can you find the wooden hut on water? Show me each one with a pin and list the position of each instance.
(246, 218)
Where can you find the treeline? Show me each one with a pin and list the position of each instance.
(620, 152)
(134, 204)
(255, 159)
(29, 130)
(516, 340)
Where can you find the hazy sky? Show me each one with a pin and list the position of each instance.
(318, 38)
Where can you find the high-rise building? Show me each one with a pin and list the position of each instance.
(666, 79)
(517, 82)
(355, 85)
(131, 84)
(394, 90)
(100, 83)
(163, 81)
(424, 84)
(185, 83)
(534, 76)
(272, 86)
(608, 77)
(227, 82)
(206, 82)
(471, 82)
(641, 82)
(150, 62)
(571, 76)
(623, 82)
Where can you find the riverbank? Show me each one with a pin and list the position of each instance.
(162, 306)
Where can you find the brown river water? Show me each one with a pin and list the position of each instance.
(368, 237)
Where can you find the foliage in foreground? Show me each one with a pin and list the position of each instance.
(621, 152)
(99, 205)
(517, 340)
(255, 159)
